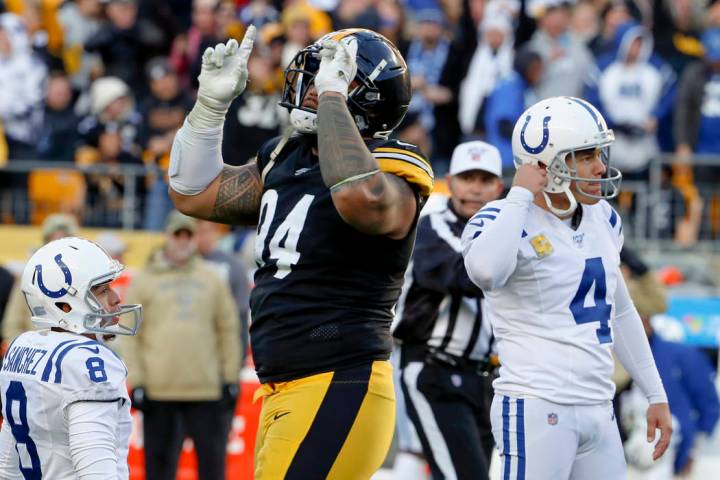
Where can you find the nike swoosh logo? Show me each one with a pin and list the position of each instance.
(478, 223)
(278, 415)
(94, 350)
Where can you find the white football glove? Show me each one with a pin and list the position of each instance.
(338, 66)
(223, 77)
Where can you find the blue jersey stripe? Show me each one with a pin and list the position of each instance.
(48, 366)
(58, 362)
(484, 215)
(613, 218)
(490, 209)
(521, 438)
(506, 437)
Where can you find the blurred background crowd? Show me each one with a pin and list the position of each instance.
(98, 87)
(93, 91)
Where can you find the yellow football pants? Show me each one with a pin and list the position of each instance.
(335, 425)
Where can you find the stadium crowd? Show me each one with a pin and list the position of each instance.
(99, 88)
(108, 82)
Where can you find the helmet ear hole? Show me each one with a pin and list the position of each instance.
(65, 307)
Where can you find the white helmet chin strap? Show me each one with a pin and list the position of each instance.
(559, 211)
(303, 121)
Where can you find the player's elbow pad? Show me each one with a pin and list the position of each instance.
(195, 159)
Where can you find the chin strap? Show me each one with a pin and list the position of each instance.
(559, 211)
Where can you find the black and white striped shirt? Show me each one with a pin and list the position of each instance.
(440, 308)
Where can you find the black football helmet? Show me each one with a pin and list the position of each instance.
(377, 98)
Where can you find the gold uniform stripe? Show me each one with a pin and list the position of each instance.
(409, 172)
(403, 152)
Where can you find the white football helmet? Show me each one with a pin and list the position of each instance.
(65, 271)
(550, 132)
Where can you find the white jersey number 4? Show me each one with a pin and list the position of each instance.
(283, 244)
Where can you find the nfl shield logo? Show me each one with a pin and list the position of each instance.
(552, 418)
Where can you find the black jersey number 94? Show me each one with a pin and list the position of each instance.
(282, 246)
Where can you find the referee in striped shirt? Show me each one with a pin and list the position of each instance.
(445, 345)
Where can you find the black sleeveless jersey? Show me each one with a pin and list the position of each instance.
(324, 292)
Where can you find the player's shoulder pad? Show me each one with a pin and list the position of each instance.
(406, 161)
(85, 364)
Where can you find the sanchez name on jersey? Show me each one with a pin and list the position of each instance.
(44, 372)
(557, 303)
(324, 292)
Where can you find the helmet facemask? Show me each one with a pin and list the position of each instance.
(563, 171)
(299, 76)
(100, 321)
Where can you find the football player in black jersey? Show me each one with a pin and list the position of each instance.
(336, 203)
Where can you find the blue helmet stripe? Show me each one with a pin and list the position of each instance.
(592, 113)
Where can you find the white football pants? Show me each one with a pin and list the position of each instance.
(541, 440)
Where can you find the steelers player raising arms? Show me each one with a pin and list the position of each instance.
(336, 204)
(548, 260)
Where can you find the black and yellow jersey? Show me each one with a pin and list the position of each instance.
(324, 292)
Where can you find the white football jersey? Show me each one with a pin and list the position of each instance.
(43, 373)
(552, 316)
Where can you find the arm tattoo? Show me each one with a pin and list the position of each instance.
(238, 199)
(343, 153)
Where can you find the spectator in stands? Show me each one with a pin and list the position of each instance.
(184, 363)
(226, 22)
(613, 14)
(59, 133)
(491, 62)
(162, 113)
(634, 90)
(425, 57)
(303, 24)
(695, 126)
(585, 22)
(697, 113)
(259, 13)
(687, 375)
(566, 59)
(509, 99)
(231, 270)
(80, 20)
(677, 26)
(355, 14)
(126, 43)
(392, 23)
(187, 48)
(109, 137)
(446, 94)
(16, 319)
(22, 77)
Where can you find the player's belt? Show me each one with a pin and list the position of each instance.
(437, 357)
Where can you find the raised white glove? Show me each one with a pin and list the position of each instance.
(338, 66)
(223, 76)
